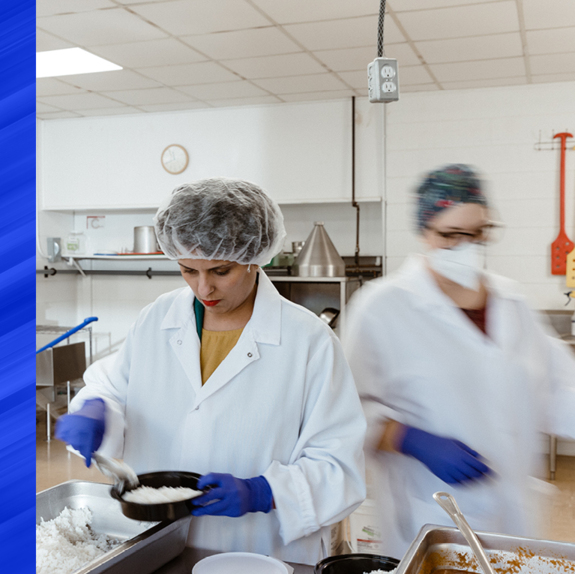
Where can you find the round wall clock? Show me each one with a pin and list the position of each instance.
(175, 159)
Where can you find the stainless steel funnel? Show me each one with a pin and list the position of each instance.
(319, 257)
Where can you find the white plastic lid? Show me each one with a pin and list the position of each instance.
(241, 563)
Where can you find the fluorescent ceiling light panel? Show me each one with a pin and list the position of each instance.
(70, 61)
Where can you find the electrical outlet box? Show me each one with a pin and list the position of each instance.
(383, 80)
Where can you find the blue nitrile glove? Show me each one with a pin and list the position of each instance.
(449, 459)
(233, 496)
(84, 429)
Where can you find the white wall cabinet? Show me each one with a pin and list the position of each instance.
(299, 153)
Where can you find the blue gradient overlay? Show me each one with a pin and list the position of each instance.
(17, 285)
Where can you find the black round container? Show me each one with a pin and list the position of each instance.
(355, 564)
(159, 512)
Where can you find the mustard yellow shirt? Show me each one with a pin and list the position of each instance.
(215, 347)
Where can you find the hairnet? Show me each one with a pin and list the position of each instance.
(220, 219)
(451, 185)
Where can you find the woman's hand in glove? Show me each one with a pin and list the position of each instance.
(232, 496)
(449, 459)
(84, 429)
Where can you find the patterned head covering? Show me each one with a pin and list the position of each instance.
(446, 187)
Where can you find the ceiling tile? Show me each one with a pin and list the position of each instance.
(223, 90)
(52, 7)
(544, 78)
(128, 2)
(165, 52)
(151, 96)
(357, 80)
(479, 70)
(409, 75)
(474, 48)
(551, 41)
(243, 43)
(54, 87)
(295, 84)
(80, 102)
(58, 115)
(42, 108)
(275, 66)
(553, 64)
(245, 101)
(306, 11)
(45, 42)
(313, 96)
(202, 16)
(190, 74)
(358, 58)
(108, 81)
(116, 26)
(111, 111)
(461, 21)
(484, 83)
(556, 14)
(351, 33)
(405, 5)
(174, 107)
(420, 88)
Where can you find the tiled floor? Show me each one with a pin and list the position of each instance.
(54, 464)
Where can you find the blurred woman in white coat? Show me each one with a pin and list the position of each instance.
(226, 378)
(456, 376)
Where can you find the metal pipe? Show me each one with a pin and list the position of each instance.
(148, 273)
(354, 203)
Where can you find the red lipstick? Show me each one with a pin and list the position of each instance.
(211, 303)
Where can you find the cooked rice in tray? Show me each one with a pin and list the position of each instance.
(67, 542)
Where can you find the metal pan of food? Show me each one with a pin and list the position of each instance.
(151, 512)
(444, 550)
(134, 546)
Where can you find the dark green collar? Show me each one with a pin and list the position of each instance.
(199, 310)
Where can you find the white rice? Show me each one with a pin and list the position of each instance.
(149, 495)
(67, 542)
(381, 571)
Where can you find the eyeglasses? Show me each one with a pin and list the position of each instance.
(488, 233)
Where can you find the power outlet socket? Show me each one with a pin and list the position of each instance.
(383, 80)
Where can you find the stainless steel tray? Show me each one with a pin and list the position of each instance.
(145, 545)
(439, 549)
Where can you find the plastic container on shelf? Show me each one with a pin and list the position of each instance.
(75, 243)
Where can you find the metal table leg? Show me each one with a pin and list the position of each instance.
(552, 456)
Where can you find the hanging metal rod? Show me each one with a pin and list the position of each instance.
(149, 273)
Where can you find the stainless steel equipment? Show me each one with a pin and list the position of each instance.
(145, 546)
(297, 246)
(447, 502)
(443, 550)
(319, 257)
(145, 239)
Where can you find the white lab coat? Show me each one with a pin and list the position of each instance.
(283, 404)
(418, 359)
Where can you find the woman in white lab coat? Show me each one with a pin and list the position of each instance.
(226, 378)
(456, 376)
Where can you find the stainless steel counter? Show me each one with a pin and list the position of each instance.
(184, 563)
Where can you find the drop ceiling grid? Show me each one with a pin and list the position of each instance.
(291, 51)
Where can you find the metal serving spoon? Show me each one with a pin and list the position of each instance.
(116, 469)
(447, 502)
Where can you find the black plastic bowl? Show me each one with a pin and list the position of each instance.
(159, 512)
(355, 564)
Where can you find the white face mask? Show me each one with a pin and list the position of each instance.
(462, 264)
